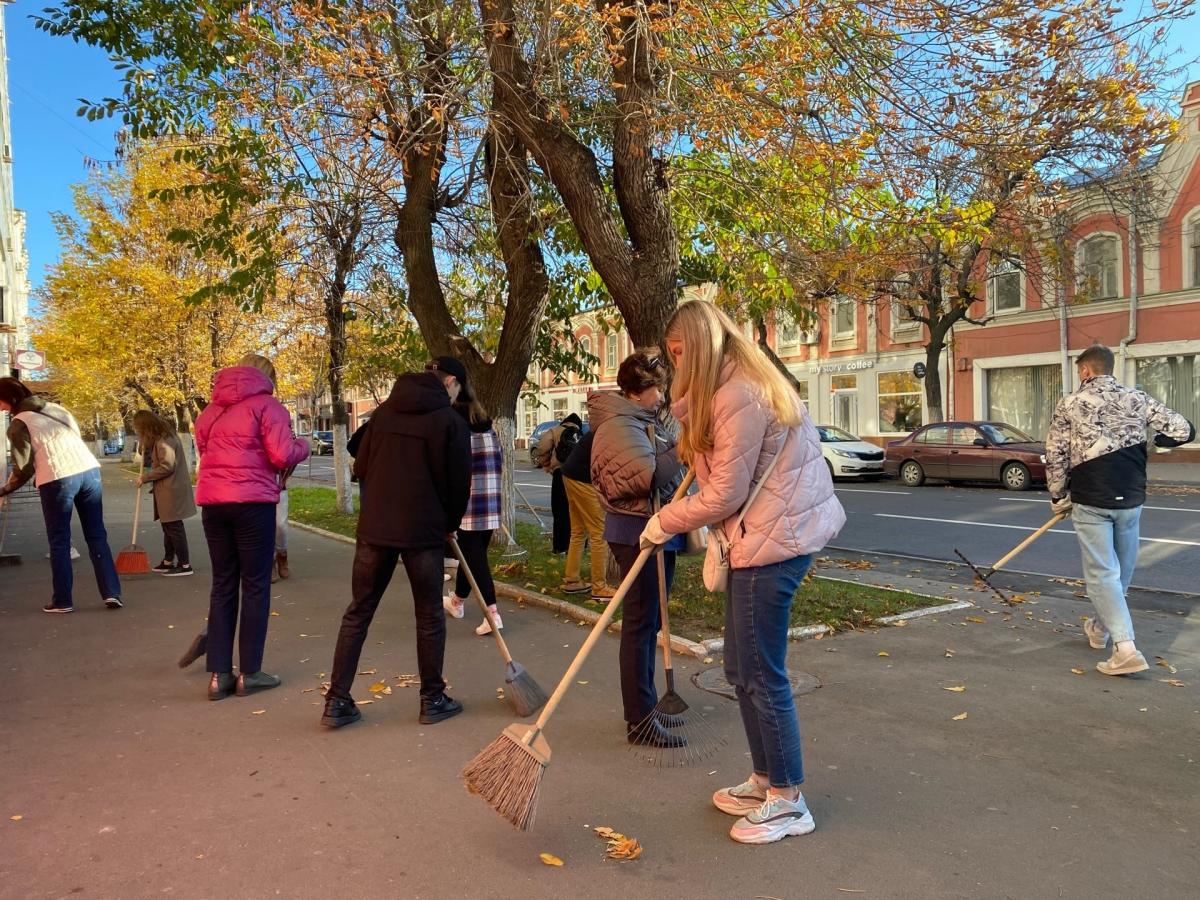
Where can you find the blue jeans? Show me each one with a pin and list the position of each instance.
(83, 493)
(241, 548)
(1109, 541)
(757, 618)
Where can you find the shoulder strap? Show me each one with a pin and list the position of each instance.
(66, 425)
(758, 484)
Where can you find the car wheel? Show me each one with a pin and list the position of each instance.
(1015, 477)
(912, 474)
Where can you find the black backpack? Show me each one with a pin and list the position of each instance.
(567, 442)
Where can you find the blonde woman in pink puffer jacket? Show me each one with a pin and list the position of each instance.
(738, 414)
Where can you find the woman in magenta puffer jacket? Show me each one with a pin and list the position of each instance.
(244, 437)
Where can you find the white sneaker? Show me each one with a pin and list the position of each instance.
(454, 606)
(774, 820)
(1096, 635)
(74, 554)
(485, 628)
(1123, 663)
(741, 798)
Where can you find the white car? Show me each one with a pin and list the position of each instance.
(848, 456)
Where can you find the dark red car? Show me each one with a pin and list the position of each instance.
(967, 451)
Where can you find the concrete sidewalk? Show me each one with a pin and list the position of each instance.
(130, 784)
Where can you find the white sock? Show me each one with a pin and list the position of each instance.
(1125, 647)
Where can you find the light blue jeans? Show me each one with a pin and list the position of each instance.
(1109, 541)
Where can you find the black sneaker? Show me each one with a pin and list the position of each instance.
(51, 608)
(165, 566)
(176, 571)
(113, 602)
(434, 711)
(339, 712)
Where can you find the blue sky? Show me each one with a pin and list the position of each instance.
(47, 76)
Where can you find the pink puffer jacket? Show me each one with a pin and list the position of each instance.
(795, 513)
(244, 437)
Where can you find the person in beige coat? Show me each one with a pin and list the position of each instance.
(738, 416)
(167, 472)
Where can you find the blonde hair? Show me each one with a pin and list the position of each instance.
(710, 339)
(255, 361)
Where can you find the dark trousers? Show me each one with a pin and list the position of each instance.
(175, 543)
(640, 621)
(373, 569)
(83, 494)
(561, 510)
(474, 546)
(241, 547)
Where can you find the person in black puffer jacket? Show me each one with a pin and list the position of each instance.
(414, 463)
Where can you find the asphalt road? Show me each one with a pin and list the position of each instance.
(985, 523)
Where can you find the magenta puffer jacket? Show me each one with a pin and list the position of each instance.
(244, 437)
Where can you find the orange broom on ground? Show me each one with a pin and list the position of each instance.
(132, 560)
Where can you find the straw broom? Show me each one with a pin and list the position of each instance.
(132, 560)
(507, 773)
(524, 694)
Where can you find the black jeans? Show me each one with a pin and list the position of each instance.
(241, 546)
(373, 569)
(175, 544)
(560, 508)
(640, 621)
(474, 546)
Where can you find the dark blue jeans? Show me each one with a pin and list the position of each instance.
(241, 547)
(640, 621)
(83, 493)
(757, 617)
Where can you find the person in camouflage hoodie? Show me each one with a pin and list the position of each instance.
(1096, 473)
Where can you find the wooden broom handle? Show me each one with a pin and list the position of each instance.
(598, 629)
(137, 509)
(662, 597)
(478, 594)
(1055, 519)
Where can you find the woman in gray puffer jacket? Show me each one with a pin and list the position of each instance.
(627, 468)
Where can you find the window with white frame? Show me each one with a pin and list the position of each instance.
(1004, 287)
(899, 402)
(1099, 266)
(787, 332)
(610, 352)
(843, 317)
(558, 408)
(1193, 251)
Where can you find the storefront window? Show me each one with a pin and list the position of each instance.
(802, 390)
(1173, 380)
(1024, 397)
(899, 402)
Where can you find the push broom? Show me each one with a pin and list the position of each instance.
(132, 560)
(524, 694)
(507, 773)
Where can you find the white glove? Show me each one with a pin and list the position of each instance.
(653, 534)
(1062, 506)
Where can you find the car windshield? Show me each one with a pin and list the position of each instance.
(999, 433)
(831, 435)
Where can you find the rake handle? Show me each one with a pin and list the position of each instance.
(137, 510)
(521, 494)
(662, 603)
(598, 629)
(1054, 520)
(478, 594)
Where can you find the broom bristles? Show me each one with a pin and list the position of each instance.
(132, 562)
(525, 695)
(508, 776)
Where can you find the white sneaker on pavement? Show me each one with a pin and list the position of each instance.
(454, 606)
(774, 820)
(485, 628)
(74, 554)
(1096, 635)
(1123, 663)
(741, 798)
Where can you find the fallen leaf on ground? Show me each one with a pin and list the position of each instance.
(957, 689)
(379, 687)
(363, 702)
(900, 623)
(959, 717)
(978, 620)
(1166, 665)
(274, 613)
(708, 660)
(368, 671)
(16, 818)
(949, 653)
(883, 653)
(258, 712)
(581, 682)
(623, 849)
(1175, 682)
(1077, 671)
(550, 859)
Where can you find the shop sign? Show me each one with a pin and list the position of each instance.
(854, 366)
(919, 370)
(30, 360)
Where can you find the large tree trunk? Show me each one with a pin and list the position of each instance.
(335, 322)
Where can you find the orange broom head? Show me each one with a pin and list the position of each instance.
(133, 561)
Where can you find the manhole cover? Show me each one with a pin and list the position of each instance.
(713, 681)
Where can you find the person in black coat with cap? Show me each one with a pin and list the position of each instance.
(414, 465)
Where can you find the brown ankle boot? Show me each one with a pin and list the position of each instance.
(281, 565)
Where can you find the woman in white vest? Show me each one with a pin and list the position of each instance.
(46, 446)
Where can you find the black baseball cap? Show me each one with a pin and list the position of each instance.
(451, 366)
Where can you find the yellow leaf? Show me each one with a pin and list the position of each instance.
(378, 687)
(949, 653)
(258, 712)
(1175, 682)
(957, 689)
(883, 653)
(1166, 665)
(978, 620)
(604, 831)
(959, 717)
(274, 613)
(550, 859)
(16, 818)
(1077, 671)
(627, 848)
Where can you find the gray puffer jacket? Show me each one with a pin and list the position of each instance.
(626, 467)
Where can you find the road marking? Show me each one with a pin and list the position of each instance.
(1036, 500)
(1025, 528)
(869, 491)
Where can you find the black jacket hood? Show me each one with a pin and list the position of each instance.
(418, 392)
